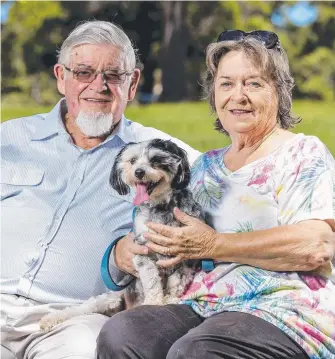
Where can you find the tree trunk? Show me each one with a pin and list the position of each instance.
(174, 51)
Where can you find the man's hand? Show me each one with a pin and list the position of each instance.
(125, 250)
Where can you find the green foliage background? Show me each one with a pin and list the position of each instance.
(192, 122)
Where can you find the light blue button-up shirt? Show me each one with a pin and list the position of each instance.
(59, 212)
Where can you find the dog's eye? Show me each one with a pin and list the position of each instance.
(133, 160)
(156, 160)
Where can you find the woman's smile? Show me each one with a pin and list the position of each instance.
(241, 113)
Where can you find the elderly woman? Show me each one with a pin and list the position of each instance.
(269, 203)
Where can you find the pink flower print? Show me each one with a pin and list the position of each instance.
(193, 288)
(311, 301)
(263, 176)
(314, 333)
(211, 297)
(314, 282)
(209, 280)
(230, 289)
(313, 148)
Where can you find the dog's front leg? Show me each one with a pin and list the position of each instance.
(177, 283)
(150, 279)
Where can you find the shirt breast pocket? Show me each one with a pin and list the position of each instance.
(127, 197)
(117, 211)
(18, 182)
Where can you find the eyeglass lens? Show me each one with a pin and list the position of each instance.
(88, 75)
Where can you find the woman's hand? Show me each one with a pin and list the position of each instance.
(195, 240)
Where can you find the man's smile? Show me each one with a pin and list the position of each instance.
(89, 99)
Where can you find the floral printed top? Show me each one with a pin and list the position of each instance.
(294, 183)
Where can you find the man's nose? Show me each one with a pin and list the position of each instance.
(139, 173)
(99, 84)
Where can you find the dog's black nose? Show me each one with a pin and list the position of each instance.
(139, 173)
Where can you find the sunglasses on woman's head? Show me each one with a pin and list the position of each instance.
(268, 38)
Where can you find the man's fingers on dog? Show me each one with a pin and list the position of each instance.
(139, 249)
(134, 273)
(166, 263)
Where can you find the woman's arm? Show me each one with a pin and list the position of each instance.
(299, 247)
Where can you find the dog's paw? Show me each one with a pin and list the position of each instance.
(168, 299)
(49, 321)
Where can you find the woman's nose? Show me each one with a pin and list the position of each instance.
(238, 94)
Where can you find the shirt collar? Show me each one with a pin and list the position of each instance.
(52, 123)
(124, 131)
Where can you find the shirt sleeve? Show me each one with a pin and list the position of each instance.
(306, 190)
(120, 278)
(113, 277)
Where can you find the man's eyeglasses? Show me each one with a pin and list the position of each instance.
(268, 38)
(89, 75)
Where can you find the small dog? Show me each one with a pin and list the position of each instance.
(160, 173)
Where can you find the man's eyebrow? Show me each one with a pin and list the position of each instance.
(252, 76)
(108, 67)
(84, 65)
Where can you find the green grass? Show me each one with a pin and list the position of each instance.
(192, 123)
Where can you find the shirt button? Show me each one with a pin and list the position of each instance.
(31, 258)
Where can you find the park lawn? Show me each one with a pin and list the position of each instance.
(192, 122)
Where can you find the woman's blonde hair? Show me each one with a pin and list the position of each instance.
(273, 64)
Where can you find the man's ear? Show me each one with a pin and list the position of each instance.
(135, 78)
(59, 72)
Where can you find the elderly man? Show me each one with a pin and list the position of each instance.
(59, 213)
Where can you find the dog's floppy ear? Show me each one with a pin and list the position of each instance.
(115, 178)
(182, 178)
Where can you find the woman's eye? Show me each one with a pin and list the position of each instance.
(133, 160)
(254, 84)
(225, 84)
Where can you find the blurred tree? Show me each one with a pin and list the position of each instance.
(170, 35)
(173, 51)
(24, 21)
(314, 64)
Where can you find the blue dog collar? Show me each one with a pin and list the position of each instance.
(207, 265)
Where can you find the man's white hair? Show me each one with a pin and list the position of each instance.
(98, 32)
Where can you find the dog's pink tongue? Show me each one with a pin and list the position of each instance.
(141, 194)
